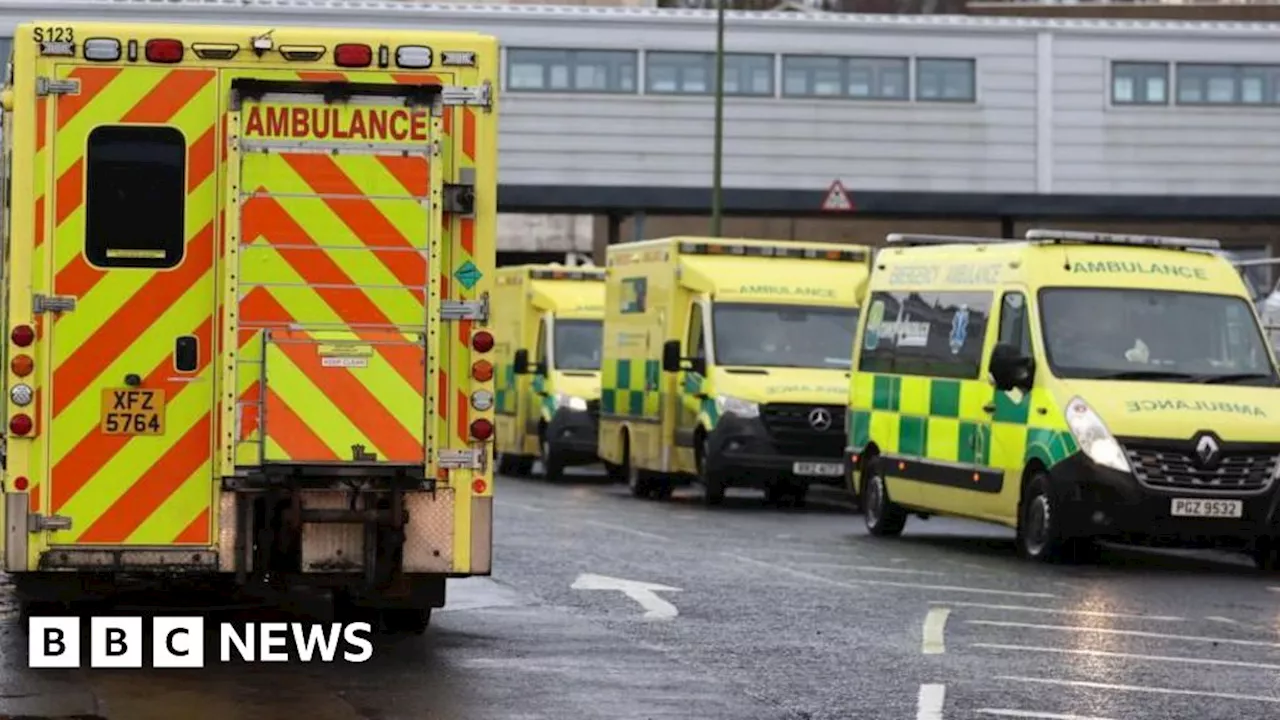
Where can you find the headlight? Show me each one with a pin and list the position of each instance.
(21, 394)
(727, 405)
(1094, 438)
(571, 402)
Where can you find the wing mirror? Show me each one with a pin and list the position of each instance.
(1011, 369)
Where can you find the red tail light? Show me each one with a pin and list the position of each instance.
(480, 429)
(350, 55)
(21, 424)
(479, 486)
(482, 341)
(482, 370)
(23, 335)
(164, 51)
(20, 483)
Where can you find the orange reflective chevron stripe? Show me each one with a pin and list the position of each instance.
(153, 486)
(294, 436)
(92, 81)
(412, 173)
(169, 96)
(78, 466)
(120, 488)
(134, 317)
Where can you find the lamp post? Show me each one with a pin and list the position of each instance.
(717, 202)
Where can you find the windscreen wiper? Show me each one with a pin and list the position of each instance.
(1144, 375)
(1234, 377)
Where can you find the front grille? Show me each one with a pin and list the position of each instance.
(792, 434)
(1172, 468)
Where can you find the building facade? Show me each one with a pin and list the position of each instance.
(609, 111)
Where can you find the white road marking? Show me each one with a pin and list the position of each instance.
(642, 592)
(935, 627)
(1132, 633)
(885, 583)
(1036, 715)
(1087, 613)
(870, 568)
(930, 702)
(629, 531)
(1130, 656)
(1140, 688)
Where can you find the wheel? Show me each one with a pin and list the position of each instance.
(552, 464)
(1042, 524)
(395, 621)
(615, 473)
(1266, 554)
(712, 483)
(883, 517)
(507, 464)
(638, 481)
(660, 488)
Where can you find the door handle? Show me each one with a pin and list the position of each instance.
(989, 408)
(186, 354)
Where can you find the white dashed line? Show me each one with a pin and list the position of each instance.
(929, 705)
(854, 583)
(1055, 611)
(934, 636)
(625, 529)
(1036, 715)
(1130, 656)
(1140, 688)
(1131, 633)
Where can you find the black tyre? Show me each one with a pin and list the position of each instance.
(660, 488)
(1044, 525)
(1266, 554)
(638, 481)
(713, 488)
(397, 621)
(883, 517)
(615, 473)
(552, 463)
(508, 464)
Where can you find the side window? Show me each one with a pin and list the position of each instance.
(938, 334)
(697, 341)
(135, 172)
(540, 346)
(879, 340)
(1015, 324)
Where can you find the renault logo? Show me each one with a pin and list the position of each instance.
(1207, 451)
(819, 419)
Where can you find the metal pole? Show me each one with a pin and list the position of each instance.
(718, 156)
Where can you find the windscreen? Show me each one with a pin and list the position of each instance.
(1129, 334)
(784, 335)
(578, 344)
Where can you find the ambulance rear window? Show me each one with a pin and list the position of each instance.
(135, 196)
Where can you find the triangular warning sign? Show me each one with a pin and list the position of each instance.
(837, 199)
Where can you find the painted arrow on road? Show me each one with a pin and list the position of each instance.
(642, 592)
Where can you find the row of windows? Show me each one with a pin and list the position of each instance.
(1147, 83)
(745, 74)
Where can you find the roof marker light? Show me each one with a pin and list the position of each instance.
(49, 48)
(352, 55)
(164, 50)
(464, 58)
(413, 56)
(102, 49)
(302, 52)
(215, 51)
(133, 51)
(384, 56)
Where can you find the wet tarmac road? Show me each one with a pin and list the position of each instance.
(604, 606)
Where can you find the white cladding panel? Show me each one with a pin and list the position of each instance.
(1042, 120)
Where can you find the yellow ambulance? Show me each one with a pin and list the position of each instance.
(246, 318)
(726, 362)
(549, 320)
(1074, 386)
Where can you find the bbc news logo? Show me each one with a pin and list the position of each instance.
(179, 642)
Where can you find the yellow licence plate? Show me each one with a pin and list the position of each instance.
(132, 411)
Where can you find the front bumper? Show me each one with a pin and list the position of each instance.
(575, 435)
(743, 453)
(1106, 503)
